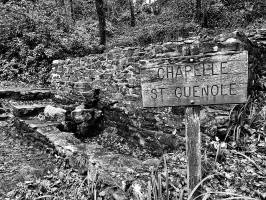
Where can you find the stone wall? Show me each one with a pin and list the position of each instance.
(116, 74)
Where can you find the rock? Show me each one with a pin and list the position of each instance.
(137, 189)
(3, 124)
(31, 125)
(5, 116)
(11, 194)
(68, 126)
(82, 86)
(88, 94)
(189, 41)
(27, 110)
(81, 115)
(214, 121)
(83, 129)
(119, 195)
(2, 110)
(81, 106)
(169, 141)
(88, 121)
(53, 113)
(152, 162)
(231, 40)
(34, 94)
(221, 133)
(26, 94)
(222, 121)
(102, 193)
(7, 93)
(28, 172)
(58, 62)
(112, 169)
(97, 113)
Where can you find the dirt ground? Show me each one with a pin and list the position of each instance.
(20, 161)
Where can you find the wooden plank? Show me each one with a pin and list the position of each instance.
(193, 148)
(196, 80)
(192, 71)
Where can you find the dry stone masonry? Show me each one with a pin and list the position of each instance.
(110, 84)
(102, 92)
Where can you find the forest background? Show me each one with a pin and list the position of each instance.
(33, 33)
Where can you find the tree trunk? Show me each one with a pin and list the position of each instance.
(102, 24)
(204, 23)
(198, 11)
(64, 6)
(71, 9)
(204, 7)
(132, 14)
(60, 6)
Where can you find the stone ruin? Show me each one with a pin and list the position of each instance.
(104, 90)
(100, 94)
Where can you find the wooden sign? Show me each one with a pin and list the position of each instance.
(217, 78)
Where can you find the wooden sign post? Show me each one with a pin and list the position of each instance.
(215, 78)
(193, 147)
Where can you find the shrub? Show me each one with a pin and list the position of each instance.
(238, 13)
(159, 33)
(34, 34)
(174, 21)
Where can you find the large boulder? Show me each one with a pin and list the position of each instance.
(54, 113)
(81, 115)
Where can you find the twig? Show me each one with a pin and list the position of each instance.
(196, 187)
(235, 196)
(248, 158)
(45, 196)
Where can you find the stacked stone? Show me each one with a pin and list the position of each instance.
(258, 42)
(116, 74)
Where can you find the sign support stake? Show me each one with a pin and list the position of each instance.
(193, 148)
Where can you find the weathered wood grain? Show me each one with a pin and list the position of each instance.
(193, 148)
(196, 80)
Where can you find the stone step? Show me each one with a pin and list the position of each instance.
(2, 110)
(26, 94)
(47, 133)
(5, 116)
(112, 169)
(33, 124)
(27, 110)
